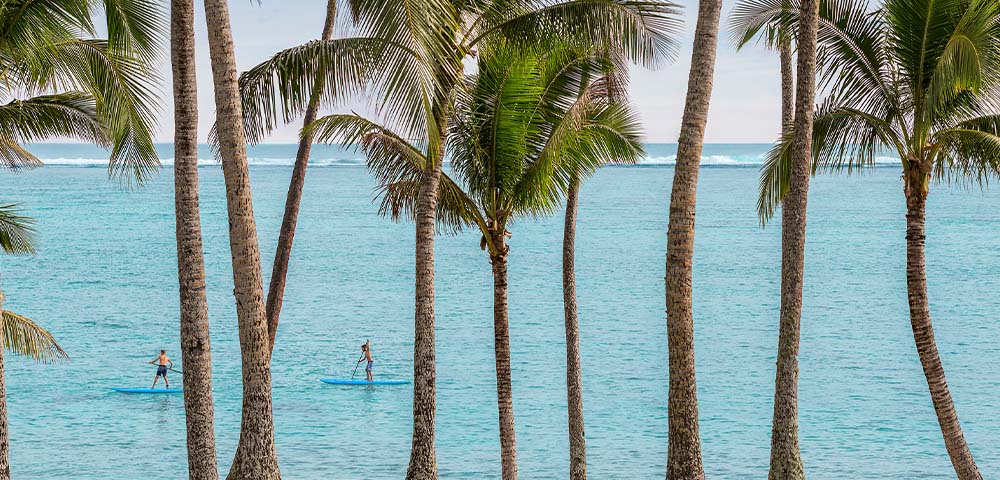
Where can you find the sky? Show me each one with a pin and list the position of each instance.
(745, 106)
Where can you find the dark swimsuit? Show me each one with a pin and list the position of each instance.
(161, 371)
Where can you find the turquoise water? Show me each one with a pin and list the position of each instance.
(105, 283)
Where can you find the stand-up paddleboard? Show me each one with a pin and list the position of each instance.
(147, 390)
(347, 381)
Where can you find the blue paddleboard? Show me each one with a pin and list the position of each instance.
(346, 381)
(147, 390)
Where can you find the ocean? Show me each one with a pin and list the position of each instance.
(105, 284)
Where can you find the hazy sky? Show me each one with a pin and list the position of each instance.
(745, 104)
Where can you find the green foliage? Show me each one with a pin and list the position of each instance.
(102, 91)
(407, 55)
(16, 231)
(522, 128)
(24, 337)
(918, 78)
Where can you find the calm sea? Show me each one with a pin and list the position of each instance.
(105, 283)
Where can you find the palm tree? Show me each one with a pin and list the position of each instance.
(196, 349)
(413, 68)
(19, 333)
(283, 251)
(256, 457)
(101, 91)
(774, 20)
(610, 88)
(521, 127)
(684, 449)
(917, 78)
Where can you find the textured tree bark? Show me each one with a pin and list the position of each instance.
(916, 179)
(574, 384)
(501, 345)
(786, 458)
(196, 352)
(684, 452)
(255, 458)
(279, 269)
(787, 86)
(423, 456)
(4, 434)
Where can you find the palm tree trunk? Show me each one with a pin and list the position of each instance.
(423, 456)
(4, 435)
(196, 350)
(923, 333)
(574, 384)
(684, 453)
(786, 459)
(279, 270)
(501, 345)
(256, 458)
(787, 86)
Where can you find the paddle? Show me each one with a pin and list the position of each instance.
(367, 341)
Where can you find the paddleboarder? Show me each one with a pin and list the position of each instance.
(161, 369)
(367, 352)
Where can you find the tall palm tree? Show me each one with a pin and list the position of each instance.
(413, 69)
(684, 452)
(256, 457)
(517, 126)
(196, 351)
(776, 23)
(612, 87)
(917, 78)
(283, 251)
(19, 333)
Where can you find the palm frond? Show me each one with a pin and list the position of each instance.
(135, 27)
(127, 101)
(970, 150)
(397, 165)
(24, 337)
(645, 31)
(72, 114)
(769, 21)
(775, 178)
(278, 90)
(968, 60)
(17, 232)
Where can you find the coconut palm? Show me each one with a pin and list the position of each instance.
(774, 21)
(684, 442)
(610, 88)
(256, 457)
(101, 91)
(917, 78)
(412, 69)
(19, 334)
(196, 351)
(518, 124)
(283, 251)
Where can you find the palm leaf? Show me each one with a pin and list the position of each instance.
(17, 231)
(71, 114)
(645, 31)
(24, 337)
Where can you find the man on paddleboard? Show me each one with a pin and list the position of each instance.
(161, 369)
(368, 357)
